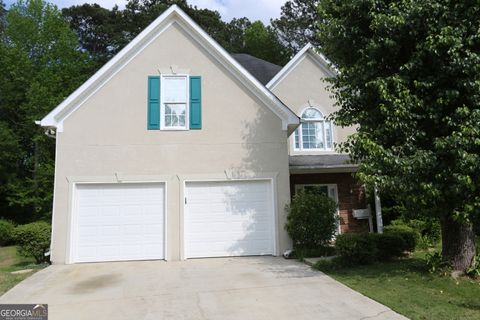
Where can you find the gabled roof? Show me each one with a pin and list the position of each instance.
(174, 15)
(308, 50)
(262, 70)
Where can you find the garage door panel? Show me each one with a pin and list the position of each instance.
(119, 222)
(231, 218)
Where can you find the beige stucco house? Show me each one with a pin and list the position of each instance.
(176, 149)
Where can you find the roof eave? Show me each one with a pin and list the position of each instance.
(78, 97)
(308, 49)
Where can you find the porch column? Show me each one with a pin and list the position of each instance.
(378, 211)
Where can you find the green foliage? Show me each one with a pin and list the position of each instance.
(389, 245)
(356, 249)
(40, 66)
(436, 263)
(6, 232)
(103, 32)
(366, 248)
(426, 230)
(410, 80)
(298, 23)
(409, 235)
(320, 251)
(311, 220)
(33, 240)
(261, 42)
(474, 270)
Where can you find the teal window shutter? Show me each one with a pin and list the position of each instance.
(153, 111)
(195, 102)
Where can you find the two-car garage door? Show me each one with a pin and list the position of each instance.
(126, 221)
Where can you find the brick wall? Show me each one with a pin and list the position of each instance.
(351, 195)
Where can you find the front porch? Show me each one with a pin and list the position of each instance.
(336, 176)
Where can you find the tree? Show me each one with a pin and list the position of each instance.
(2, 16)
(41, 64)
(261, 42)
(99, 30)
(410, 78)
(103, 32)
(298, 24)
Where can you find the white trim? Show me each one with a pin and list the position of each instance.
(73, 225)
(300, 132)
(334, 187)
(187, 103)
(308, 50)
(172, 15)
(274, 216)
(55, 187)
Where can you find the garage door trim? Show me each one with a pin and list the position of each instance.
(273, 203)
(73, 225)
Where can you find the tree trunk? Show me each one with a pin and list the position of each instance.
(458, 243)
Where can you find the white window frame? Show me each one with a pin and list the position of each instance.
(187, 103)
(332, 188)
(300, 132)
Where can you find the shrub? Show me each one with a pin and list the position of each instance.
(356, 248)
(6, 232)
(311, 220)
(33, 240)
(435, 263)
(474, 270)
(427, 230)
(389, 245)
(408, 235)
(320, 251)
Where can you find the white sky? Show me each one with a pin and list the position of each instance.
(262, 10)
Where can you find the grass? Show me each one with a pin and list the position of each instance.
(408, 288)
(10, 261)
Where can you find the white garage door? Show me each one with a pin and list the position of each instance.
(114, 222)
(228, 219)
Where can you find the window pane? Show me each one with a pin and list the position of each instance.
(312, 113)
(328, 131)
(319, 142)
(175, 115)
(297, 139)
(312, 135)
(175, 89)
(316, 190)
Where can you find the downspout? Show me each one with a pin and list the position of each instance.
(378, 211)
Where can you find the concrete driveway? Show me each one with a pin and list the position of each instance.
(227, 288)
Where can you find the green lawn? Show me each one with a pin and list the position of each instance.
(406, 286)
(11, 261)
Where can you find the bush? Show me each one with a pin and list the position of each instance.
(408, 235)
(389, 245)
(474, 270)
(311, 220)
(356, 248)
(33, 240)
(6, 232)
(427, 230)
(320, 251)
(436, 264)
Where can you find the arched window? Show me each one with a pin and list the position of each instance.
(314, 133)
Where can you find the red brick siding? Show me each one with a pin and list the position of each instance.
(351, 195)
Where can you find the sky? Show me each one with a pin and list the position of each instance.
(262, 10)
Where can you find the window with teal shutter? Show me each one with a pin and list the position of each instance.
(153, 122)
(195, 102)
